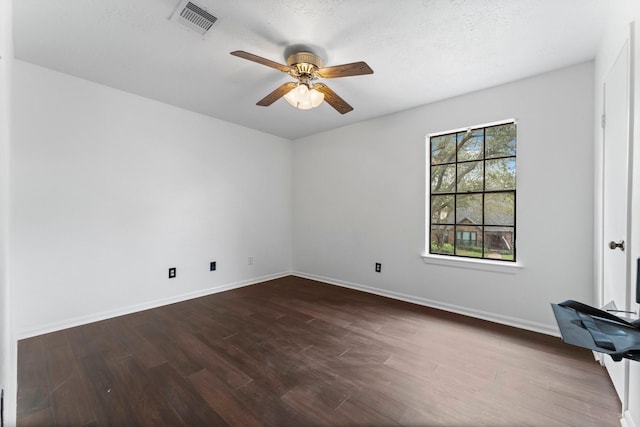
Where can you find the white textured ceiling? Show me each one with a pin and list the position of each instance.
(420, 50)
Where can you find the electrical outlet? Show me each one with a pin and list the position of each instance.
(378, 267)
(212, 266)
(172, 272)
(250, 261)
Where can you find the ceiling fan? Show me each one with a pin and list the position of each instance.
(306, 68)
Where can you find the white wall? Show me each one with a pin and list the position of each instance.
(109, 190)
(8, 349)
(359, 198)
(617, 32)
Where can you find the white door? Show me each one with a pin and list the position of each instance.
(615, 199)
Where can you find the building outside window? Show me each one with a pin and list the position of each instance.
(473, 192)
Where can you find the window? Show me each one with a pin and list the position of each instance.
(465, 237)
(473, 192)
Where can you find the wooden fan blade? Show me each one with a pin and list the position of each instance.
(345, 70)
(333, 99)
(261, 60)
(276, 94)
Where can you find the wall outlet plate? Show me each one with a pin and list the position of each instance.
(172, 272)
(378, 267)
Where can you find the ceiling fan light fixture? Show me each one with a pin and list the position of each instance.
(304, 98)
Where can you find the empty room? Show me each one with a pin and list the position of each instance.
(336, 213)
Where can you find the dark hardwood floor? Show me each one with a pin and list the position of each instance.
(294, 352)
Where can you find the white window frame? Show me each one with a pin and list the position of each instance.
(482, 264)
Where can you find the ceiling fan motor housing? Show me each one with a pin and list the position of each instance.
(305, 62)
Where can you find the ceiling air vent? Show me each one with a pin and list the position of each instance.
(193, 17)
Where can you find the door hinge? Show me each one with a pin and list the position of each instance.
(603, 121)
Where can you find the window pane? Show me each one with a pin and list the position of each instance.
(499, 243)
(443, 149)
(472, 192)
(501, 140)
(470, 145)
(469, 209)
(466, 245)
(443, 179)
(440, 235)
(500, 208)
(501, 174)
(442, 209)
(470, 176)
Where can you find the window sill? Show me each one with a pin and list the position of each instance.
(473, 264)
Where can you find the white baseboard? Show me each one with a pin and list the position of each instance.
(479, 314)
(83, 320)
(492, 317)
(599, 357)
(627, 420)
